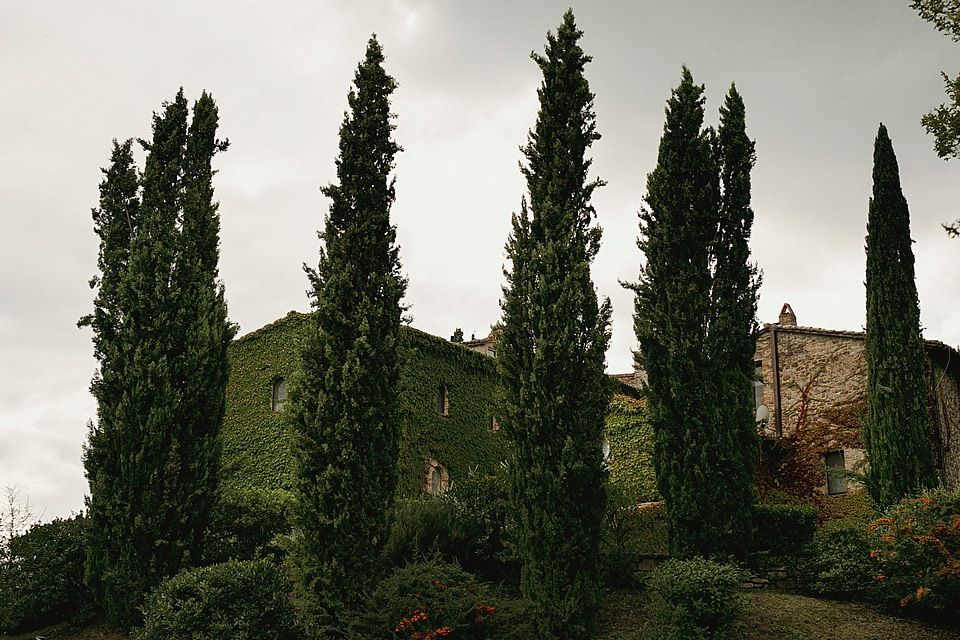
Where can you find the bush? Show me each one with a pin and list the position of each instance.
(487, 522)
(697, 597)
(840, 565)
(622, 536)
(428, 600)
(240, 600)
(425, 526)
(917, 544)
(246, 523)
(42, 577)
(783, 530)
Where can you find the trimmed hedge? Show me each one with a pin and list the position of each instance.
(783, 530)
(697, 598)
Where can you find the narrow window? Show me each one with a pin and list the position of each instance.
(279, 394)
(438, 480)
(443, 401)
(836, 483)
(492, 424)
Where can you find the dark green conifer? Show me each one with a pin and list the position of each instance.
(732, 333)
(551, 353)
(344, 406)
(160, 333)
(695, 321)
(896, 429)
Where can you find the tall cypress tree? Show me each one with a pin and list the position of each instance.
(732, 333)
(551, 355)
(344, 405)
(695, 321)
(160, 333)
(896, 428)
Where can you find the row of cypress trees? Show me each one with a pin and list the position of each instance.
(161, 332)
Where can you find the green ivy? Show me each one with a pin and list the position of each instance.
(630, 435)
(256, 442)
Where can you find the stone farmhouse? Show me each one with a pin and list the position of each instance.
(816, 379)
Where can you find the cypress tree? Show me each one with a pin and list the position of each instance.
(551, 353)
(695, 321)
(732, 333)
(160, 333)
(896, 428)
(344, 406)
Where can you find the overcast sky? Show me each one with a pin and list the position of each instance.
(817, 78)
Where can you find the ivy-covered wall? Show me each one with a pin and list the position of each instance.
(256, 441)
(630, 435)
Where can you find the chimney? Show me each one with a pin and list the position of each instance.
(787, 317)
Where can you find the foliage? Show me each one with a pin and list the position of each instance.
(917, 543)
(425, 526)
(896, 429)
(42, 579)
(694, 319)
(241, 600)
(624, 537)
(256, 441)
(783, 530)
(429, 600)
(944, 121)
(839, 563)
(344, 409)
(488, 523)
(550, 351)
(246, 523)
(630, 435)
(696, 597)
(160, 335)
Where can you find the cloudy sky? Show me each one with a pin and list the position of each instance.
(817, 78)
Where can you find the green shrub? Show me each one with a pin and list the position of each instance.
(652, 530)
(783, 530)
(240, 600)
(917, 544)
(487, 523)
(425, 526)
(42, 576)
(245, 524)
(839, 565)
(430, 599)
(621, 538)
(696, 598)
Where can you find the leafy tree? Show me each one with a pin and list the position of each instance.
(344, 409)
(895, 431)
(695, 310)
(944, 121)
(160, 335)
(551, 353)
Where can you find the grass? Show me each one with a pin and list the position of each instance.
(767, 615)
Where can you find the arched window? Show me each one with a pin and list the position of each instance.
(438, 480)
(443, 401)
(279, 397)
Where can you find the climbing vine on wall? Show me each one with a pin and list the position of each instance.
(630, 436)
(256, 441)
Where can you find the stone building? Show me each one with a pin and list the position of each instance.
(816, 379)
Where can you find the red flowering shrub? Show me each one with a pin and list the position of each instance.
(917, 543)
(430, 600)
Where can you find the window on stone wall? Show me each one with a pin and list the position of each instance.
(757, 384)
(443, 401)
(836, 483)
(492, 424)
(279, 397)
(438, 479)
